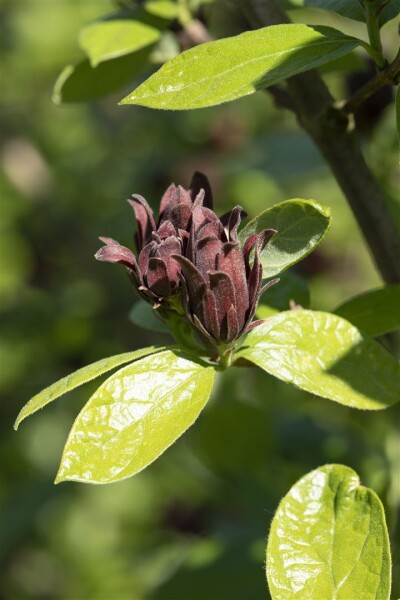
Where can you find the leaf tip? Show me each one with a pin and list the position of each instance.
(127, 100)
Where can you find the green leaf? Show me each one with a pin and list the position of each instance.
(376, 312)
(325, 355)
(83, 83)
(291, 289)
(301, 226)
(329, 540)
(144, 316)
(112, 38)
(352, 8)
(166, 9)
(70, 382)
(135, 416)
(398, 111)
(227, 69)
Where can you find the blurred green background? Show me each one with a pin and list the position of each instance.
(193, 526)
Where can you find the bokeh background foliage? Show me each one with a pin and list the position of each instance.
(194, 524)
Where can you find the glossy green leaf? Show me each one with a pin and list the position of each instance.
(166, 9)
(227, 69)
(351, 9)
(398, 111)
(104, 40)
(376, 312)
(74, 380)
(83, 83)
(135, 416)
(329, 540)
(327, 356)
(301, 226)
(144, 316)
(290, 290)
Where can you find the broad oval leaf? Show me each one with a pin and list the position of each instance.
(329, 539)
(376, 312)
(301, 226)
(74, 380)
(325, 355)
(227, 69)
(83, 83)
(135, 416)
(104, 40)
(144, 315)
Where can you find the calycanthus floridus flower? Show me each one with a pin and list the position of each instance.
(154, 272)
(191, 262)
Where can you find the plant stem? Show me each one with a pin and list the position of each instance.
(388, 76)
(333, 132)
(371, 13)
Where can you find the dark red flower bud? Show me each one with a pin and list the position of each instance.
(154, 272)
(222, 282)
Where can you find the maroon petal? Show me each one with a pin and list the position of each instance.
(264, 237)
(225, 300)
(145, 219)
(232, 325)
(195, 282)
(201, 300)
(166, 229)
(200, 182)
(254, 287)
(147, 252)
(165, 200)
(115, 253)
(180, 216)
(165, 251)
(108, 241)
(268, 285)
(231, 221)
(206, 252)
(157, 277)
(231, 261)
(201, 216)
(255, 324)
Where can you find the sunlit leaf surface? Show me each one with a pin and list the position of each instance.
(325, 355)
(104, 40)
(224, 70)
(301, 226)
(329, 540)
(74, 380)
(135, 416)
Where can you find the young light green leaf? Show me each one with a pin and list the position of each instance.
(166, 9)
(83, 83)
(144, 316)
(291, 290)
(135, 416)
(327, 356)
(301, 226)
(227, 69)
(329, 539)
(376, 312)
(70, 382)
(104, 40)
